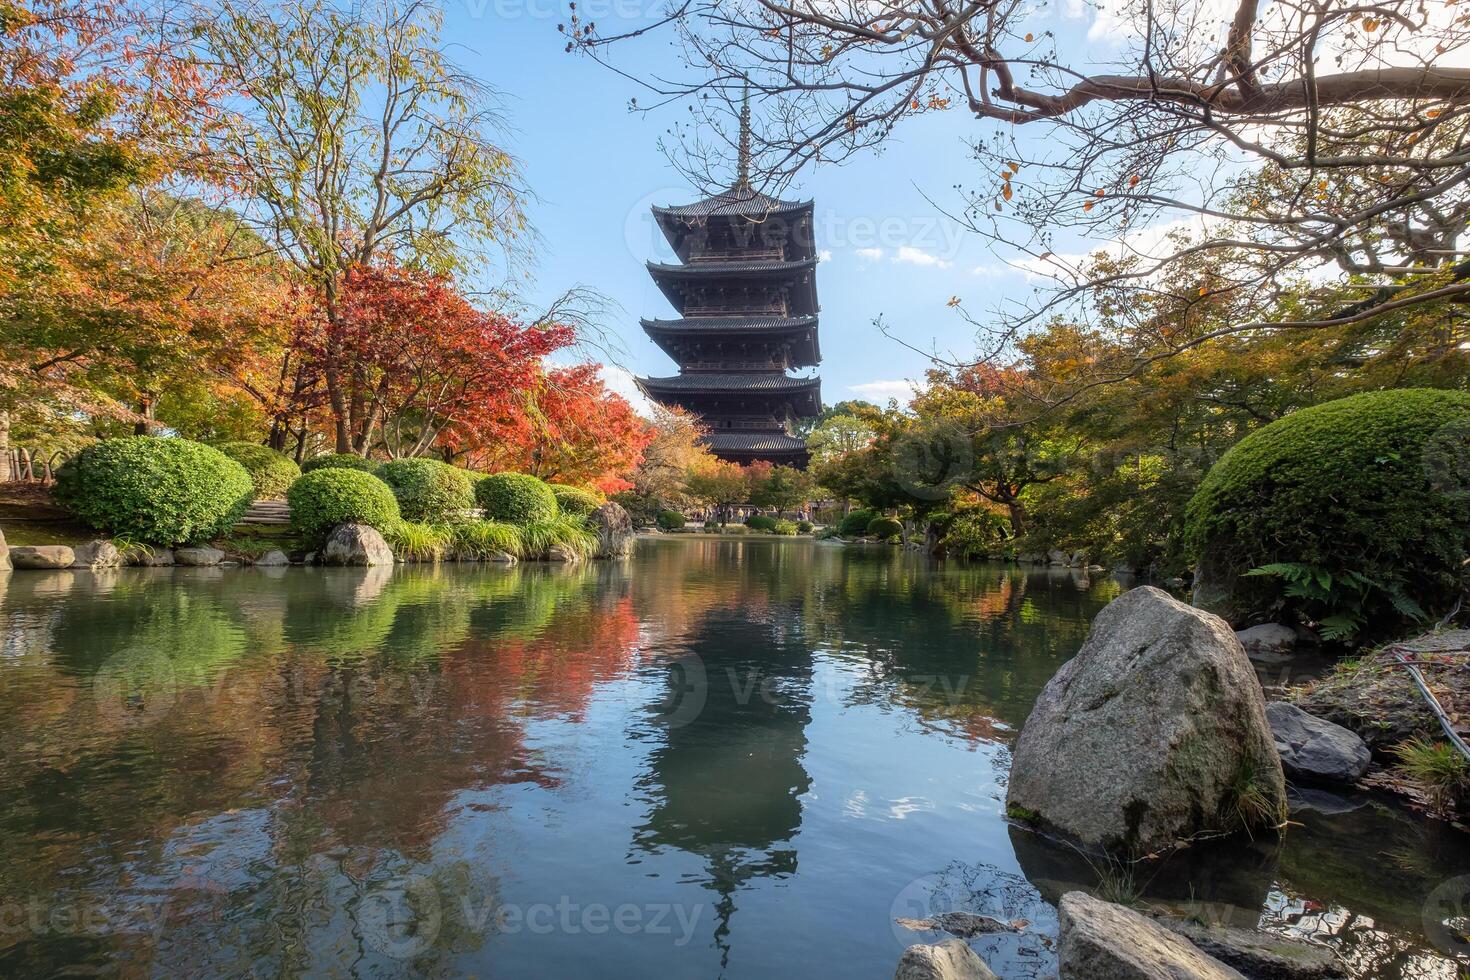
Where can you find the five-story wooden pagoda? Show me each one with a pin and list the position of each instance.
(745, 290)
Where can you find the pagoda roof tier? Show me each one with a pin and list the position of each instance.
(803, 394)
(734, 203)
(799, 332)
(755, 442)
(798, 275)
(786, 225)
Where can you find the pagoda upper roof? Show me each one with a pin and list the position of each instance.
(786, 225)
(734, 203)
(755, 442)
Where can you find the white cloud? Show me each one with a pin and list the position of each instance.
(871, 254)
(909, 255)
(881, 391)
(825, 255)
(620, 382)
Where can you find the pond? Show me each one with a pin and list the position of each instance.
(727, 757)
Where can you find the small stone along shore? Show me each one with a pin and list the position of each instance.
(1101, 940)
(347, 545)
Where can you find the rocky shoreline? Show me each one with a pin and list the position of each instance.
(346, 545)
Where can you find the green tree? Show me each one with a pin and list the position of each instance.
(784, 488)
(358, 139)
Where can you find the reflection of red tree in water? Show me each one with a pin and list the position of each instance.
(558, 671)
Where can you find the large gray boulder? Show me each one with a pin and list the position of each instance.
(614, 531)
(1103, 941)
(96, 555)
(1260, 955)
(42, 556)
(952, 959)
(356, 544)
(4, 554)
(1155, 731)
(202, 557)
(1315, 749)
(272, 559)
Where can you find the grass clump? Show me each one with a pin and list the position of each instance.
(414, 541)
(571, 534)
(1438, 769)
(479, 540)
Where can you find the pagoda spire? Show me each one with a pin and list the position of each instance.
(742, 167)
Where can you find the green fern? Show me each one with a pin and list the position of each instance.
(1340, 602)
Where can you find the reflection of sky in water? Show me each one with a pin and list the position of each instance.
(757, 754)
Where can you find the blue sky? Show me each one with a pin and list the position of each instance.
(597, 168)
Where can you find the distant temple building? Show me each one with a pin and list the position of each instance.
(745, 288)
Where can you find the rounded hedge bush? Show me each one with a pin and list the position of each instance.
(575, 500)
(855, 523)
(155, 491)
(758, 522)
(428, 491)
(885, 527)
(785, 528)
(271, 472)
(804, 527)
(1374, 485)
(515, 498)
(339, 461)
(324, 498)
(670, 520)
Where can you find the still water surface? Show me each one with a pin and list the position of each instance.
(740, 758)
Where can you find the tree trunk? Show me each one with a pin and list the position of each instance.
(1018, 516)
(5, 473)
(146, 408)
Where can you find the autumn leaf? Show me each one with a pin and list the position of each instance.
(1089, 205)
(953, 301)
(1029, 36)
(1007, 192)
(1133, 181)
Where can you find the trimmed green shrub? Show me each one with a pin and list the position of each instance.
(339, 461)
(785, 528)
(155, 491)
(670, 520)
(428, 491)
(761, 523)
(324, 498)
(1352, 512)
(885, 527)
(271, 472)
(516, 498)
(734, 529)
(575, 500)
(855, 523)
(711, 525)
(804, 527)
